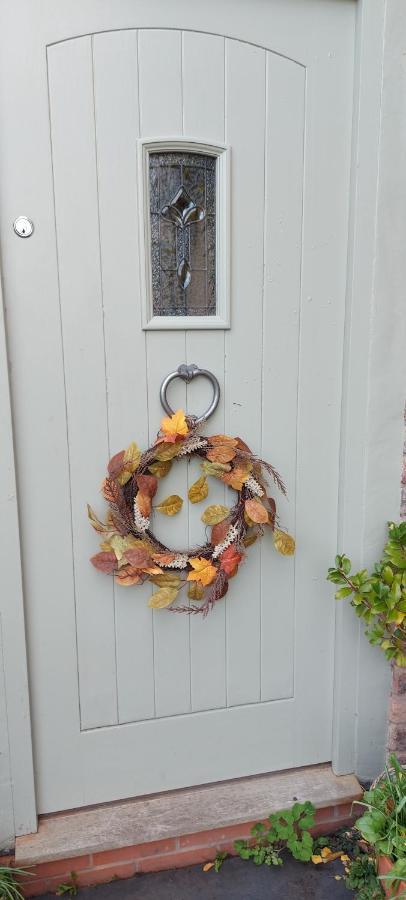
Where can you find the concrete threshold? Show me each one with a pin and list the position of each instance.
(183, 812)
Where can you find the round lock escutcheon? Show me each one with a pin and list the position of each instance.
(23, 227)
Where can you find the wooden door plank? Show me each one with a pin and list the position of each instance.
(117, 130)
(160, 91)
(245, 132)
(76, 203)
(282, 299)
(203, 114)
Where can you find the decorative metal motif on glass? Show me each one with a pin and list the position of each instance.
(182, 190)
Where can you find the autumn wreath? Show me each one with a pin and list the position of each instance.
(132, 553)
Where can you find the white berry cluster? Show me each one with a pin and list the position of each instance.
(230, 537)
(253, 486)
(140, 522)
(180, 562)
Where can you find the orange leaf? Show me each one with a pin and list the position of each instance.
(236, 477)
(221, 454)
(230, 559)
(222, 440)
(164, 559)
(208, 866)
(256, 511)
(242, 445)
(105, 561)
(203, 570)
(219, 532)
(128, 575)
(147, 484)
(174, 426)
(139, 558)
(144, 504)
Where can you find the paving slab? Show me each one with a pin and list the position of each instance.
(237, 880)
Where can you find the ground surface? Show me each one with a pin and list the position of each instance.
(237, 880)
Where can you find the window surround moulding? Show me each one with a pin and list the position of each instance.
(221, 320)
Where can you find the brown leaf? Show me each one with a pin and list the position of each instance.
(147, 485)
(256, 511)
(131, 462)
(219, 532)
(199, 490)
(208, 866)
(127, 576)
(105, 562)
(171, 505)
(242, 446)
(139, 558)
(111, 491)
(95, 522)
(250, 538)
(220, 454)
(215, 514)
(116, 464)
(144, 504)
(160, 468)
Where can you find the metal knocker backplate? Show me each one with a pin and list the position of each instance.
(187, 373)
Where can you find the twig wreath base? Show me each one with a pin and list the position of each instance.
(131, 552)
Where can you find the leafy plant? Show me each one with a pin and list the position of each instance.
(218, 862)
(69, 888)
(289, 829)
(363, 879)
(384, 823)
(379, 597)
(9, 887)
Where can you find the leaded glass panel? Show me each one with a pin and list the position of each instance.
(182, 190)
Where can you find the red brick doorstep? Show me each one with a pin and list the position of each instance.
(169, 853)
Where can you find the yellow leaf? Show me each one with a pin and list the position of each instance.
(163, 452)
(163, 598)
(204, 571)
(256, 511)
(338, 877)
(283, 542)
(171, 505)
(208, 866)
(131, 462)
(215, 469)
(317, 859)
(325, 852)
(195, 590)
(175, 424)
(95, 522)
(167, 579)
(199, 490)
(215, 514)
(160, 468)
(121, 544)
(344, 858)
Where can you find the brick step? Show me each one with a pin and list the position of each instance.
(176, 829)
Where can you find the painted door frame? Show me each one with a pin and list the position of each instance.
(373, 398)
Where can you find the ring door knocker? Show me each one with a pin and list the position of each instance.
(129, 549)
(187, 373)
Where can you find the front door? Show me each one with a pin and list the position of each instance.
(127, 700)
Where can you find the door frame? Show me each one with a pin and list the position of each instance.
(372, 402)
